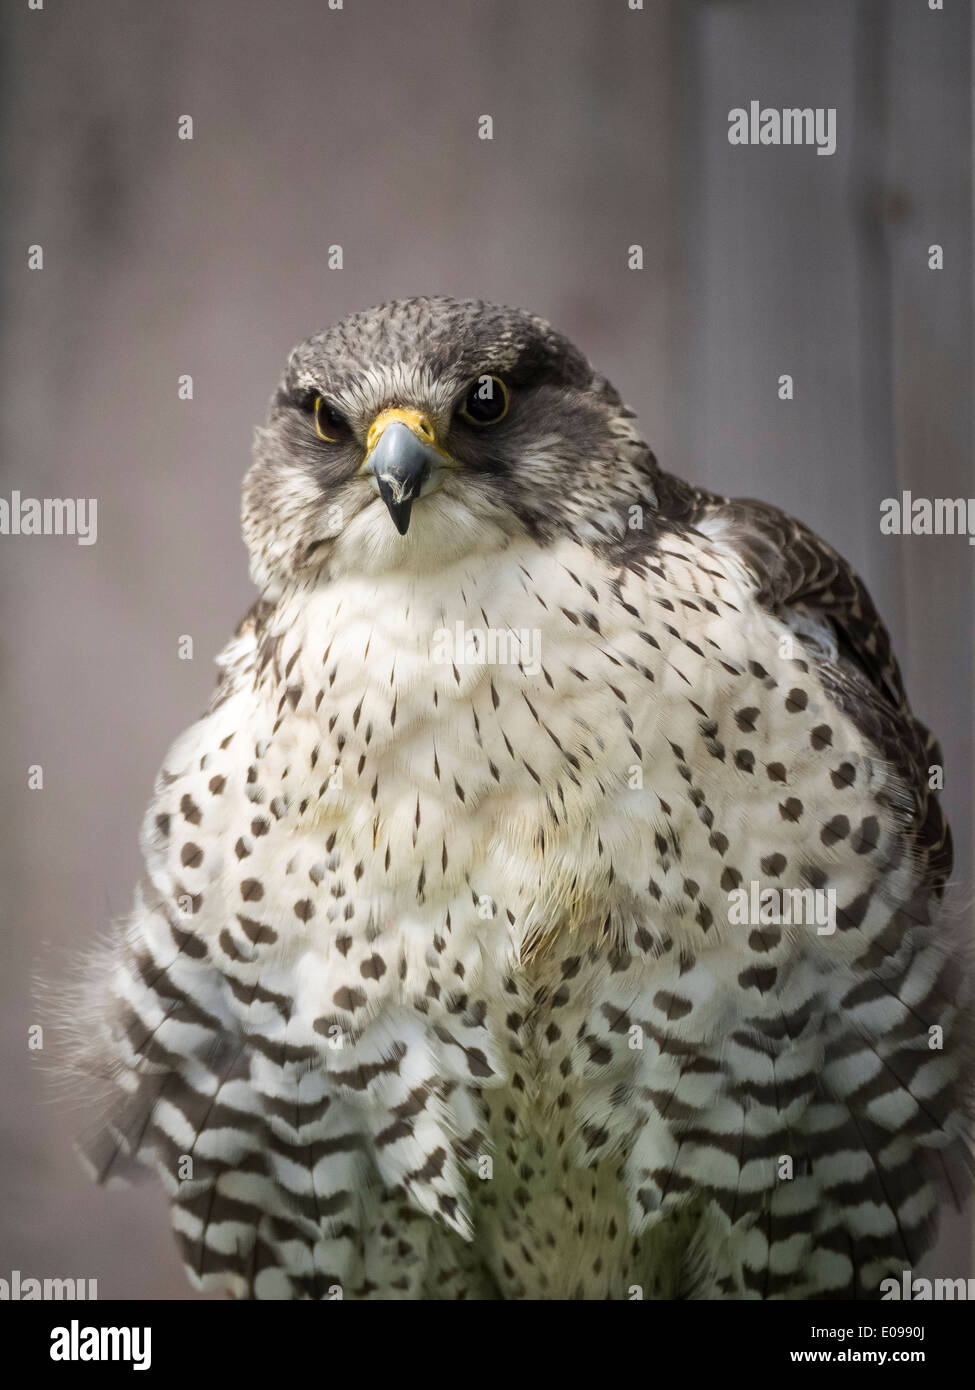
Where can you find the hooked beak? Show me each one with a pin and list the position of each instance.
(402, 460)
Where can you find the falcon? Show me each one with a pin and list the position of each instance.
(490, 968)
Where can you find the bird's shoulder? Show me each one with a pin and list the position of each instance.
(795, 576)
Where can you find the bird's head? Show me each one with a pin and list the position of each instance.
(427, 429)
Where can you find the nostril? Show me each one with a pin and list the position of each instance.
(425, 428)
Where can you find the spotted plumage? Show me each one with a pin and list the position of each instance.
(432, 988)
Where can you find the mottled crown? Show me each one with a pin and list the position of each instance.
(453, 338)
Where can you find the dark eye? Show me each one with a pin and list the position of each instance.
(486, 401)
(329, 424)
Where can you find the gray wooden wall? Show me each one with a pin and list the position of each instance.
(313, 127)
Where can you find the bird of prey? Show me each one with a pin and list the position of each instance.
(477, 953)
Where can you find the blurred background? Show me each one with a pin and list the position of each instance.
(358, 127)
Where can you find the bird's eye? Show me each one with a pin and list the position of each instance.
(486, 401)
(329, 424)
